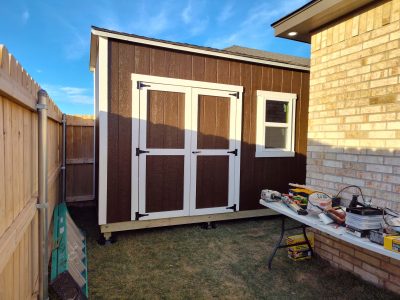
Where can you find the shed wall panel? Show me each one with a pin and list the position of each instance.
(256, 173)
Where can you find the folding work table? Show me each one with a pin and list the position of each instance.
(334, 230)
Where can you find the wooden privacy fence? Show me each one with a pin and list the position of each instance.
(80, 158)
(19, 241)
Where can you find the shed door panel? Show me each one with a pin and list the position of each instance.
(165, 120)
(164, 183)
(164, 151)
(212, 181)
(213, 151)
(213, 122)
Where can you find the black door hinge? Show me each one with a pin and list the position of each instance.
(138, 151)
(236, 94)
(234, 152)
(233, 207)
(141, 85)
(138, 215)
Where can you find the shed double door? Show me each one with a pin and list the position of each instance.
(188, 151)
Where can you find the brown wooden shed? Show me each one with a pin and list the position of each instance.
(191, 134)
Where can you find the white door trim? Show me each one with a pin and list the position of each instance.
(234, 143)
(142, 145)
(183, 82)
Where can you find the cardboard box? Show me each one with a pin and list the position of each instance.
(299, 252)
(392, 243)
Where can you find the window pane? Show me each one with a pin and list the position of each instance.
(276, 111)
(275, 137)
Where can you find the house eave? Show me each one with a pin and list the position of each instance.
(313, 15)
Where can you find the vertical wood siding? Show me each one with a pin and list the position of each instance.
(256, 173)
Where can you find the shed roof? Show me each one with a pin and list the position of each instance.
(296, 60)
(234, 52)
(313, 15)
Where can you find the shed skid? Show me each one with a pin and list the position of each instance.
(108, 229)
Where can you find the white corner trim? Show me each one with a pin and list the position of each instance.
(195, 50)
(184, 82)
(103, 128)
(262, 96)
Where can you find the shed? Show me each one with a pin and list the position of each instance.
(188, 134)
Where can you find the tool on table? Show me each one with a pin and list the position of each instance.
(270, 195)
(293, 206)
(338, 215)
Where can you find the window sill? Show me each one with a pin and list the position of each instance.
(275, 153)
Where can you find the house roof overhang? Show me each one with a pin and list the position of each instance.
(313, 15)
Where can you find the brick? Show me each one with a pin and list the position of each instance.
(392, 161)
(374, 254)
(379, 168)
(370, 159)
(376, 271)
(392, 287)
(367, 258)
(324, 254)
(344, 264)
(367, 276)
(376, 41)
(350, 258)
(395, 262)
(347, 157)
(391, 268)
(353, 181)
(394, 279)
(344, 247)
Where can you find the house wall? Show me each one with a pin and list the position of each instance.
(256, 173)
(354, 123)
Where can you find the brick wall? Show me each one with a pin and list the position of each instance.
(354, 123)
(375, 268)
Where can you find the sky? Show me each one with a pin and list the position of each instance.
(51, 39)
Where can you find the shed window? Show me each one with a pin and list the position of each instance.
(275, 124)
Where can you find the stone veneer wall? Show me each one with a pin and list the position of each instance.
(354, 124)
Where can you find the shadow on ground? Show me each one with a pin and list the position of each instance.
(229, 262)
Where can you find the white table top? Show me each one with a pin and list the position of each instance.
(331, 229)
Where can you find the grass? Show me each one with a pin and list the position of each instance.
(229, 262)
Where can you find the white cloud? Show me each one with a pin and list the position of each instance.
(187, 13)
(25, 16)
(194, 18)
(255, 31)
(226, 13)
(69, 94)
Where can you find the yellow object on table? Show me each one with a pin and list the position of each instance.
(392, 243)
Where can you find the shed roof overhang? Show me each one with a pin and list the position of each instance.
(106, 33)
(314, 15)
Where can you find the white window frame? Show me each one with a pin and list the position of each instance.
(289, 151)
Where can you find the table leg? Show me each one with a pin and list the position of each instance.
(306, 239)
(278, 244)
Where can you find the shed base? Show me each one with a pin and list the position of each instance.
(107, 229)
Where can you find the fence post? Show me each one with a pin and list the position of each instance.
(42, 201)
(63, 166)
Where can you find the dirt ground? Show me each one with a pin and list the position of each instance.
(229, 262)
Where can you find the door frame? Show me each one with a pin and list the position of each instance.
(136, 89)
